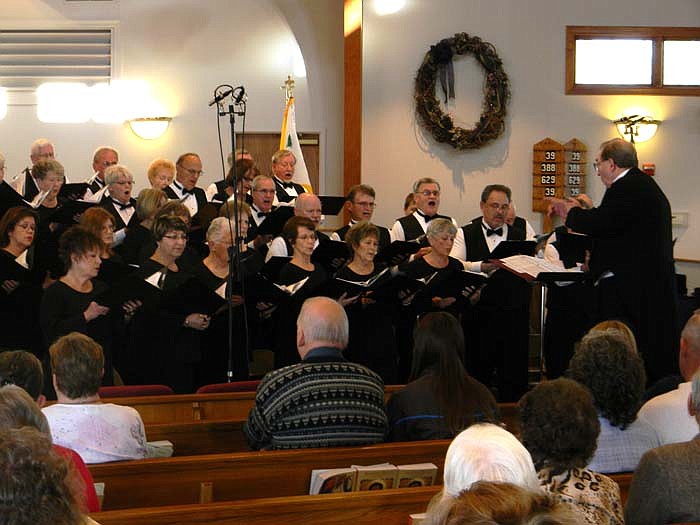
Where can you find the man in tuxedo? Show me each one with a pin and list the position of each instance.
(283, 163)
(118, 200)
(497, 332)
(103, 158)
(632, 256)
(24, 183)
(360, 204)
(184, 186)
(263, 191)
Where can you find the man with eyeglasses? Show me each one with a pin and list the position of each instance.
(498, 329)
(103, 158)
(306, 205)
(24, 183)
(360, 204)
(263, 191)
(283, 163)
(184, 186)
(632, 257)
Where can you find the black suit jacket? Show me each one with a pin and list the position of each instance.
(282, 195)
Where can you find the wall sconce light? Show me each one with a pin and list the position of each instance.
(636, 129)
(149, 128)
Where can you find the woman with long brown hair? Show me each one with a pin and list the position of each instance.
(441, 399)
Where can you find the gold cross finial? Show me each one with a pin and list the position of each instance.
(288, 88)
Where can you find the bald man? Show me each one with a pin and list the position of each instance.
(306, 205)
(324, 400)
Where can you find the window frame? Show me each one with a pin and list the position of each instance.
(656, 34)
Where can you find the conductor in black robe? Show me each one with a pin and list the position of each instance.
(632, 257)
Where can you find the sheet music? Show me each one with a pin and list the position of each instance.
(291, 289)
(221, 290)
(21, 259)
(533, 266)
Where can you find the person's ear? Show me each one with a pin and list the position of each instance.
(301, 341)
(41, 400)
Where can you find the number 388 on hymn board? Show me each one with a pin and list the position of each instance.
(557, 171)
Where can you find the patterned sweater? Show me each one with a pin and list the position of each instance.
(324, 401)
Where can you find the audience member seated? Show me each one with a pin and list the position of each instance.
(324, 401)
(668, 413)
(560, 428)
(486, 452)
(613, 325)
(442, 398)
(98, 432)
(500, 504)
(18, 409)
(37, 486)
(614, 373)
(665, 485)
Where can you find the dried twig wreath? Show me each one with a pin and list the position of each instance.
(496, 92)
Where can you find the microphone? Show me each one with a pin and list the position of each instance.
(221, 96)
(240, 96)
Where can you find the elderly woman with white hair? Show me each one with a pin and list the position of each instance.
(485, 452)
(433, 268)
(213, 273)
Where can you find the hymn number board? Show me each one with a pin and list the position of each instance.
(576, 162)
(547, 173)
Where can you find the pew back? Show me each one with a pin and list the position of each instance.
(385, 507)
(227, 477)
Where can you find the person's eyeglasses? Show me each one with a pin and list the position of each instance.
(107, 163)
(363, 204)
(27, 226)
(430, 193)
(176, 236)
(191, 171)
(307, 237)
(502, 207)
(266, 192)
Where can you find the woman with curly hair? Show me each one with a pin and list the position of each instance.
(606, 364)
(559, 428)
(37, 485)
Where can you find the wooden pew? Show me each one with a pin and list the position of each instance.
(224, 477)
(197, 407)
(381, 507)
(624, 480)
(201, 437)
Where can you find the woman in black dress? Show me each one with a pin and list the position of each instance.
(165, 333)
(49, 176)
(69, 304)
(149, 202)
(246, 171)
(300, 234)
(100, 223)
(433, 268)
(372, 342)
(213, 272)
(20, 285)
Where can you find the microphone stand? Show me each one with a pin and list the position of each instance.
(237, 106)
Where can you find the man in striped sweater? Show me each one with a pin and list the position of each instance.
(324, 401)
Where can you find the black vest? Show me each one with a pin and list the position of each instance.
(503, 289)
(412, 228)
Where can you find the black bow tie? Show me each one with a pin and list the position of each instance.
(185, 191)
(263, 213)
(427, 218)
(497, 231)
(121, 206)
(289, 185)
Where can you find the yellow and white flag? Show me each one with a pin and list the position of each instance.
(289, 140)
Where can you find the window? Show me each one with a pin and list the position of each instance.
(31, 57)
(632, 60)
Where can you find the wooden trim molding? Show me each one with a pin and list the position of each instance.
(352, 138)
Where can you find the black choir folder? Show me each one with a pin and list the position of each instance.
(331, 255)
(398, 252)
(373, 477)
(572, 248)
(274, 222)
(510, 248)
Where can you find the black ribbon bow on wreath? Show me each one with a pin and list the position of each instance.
(442, 55)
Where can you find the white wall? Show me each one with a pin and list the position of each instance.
(184, 49)
(529, 36)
